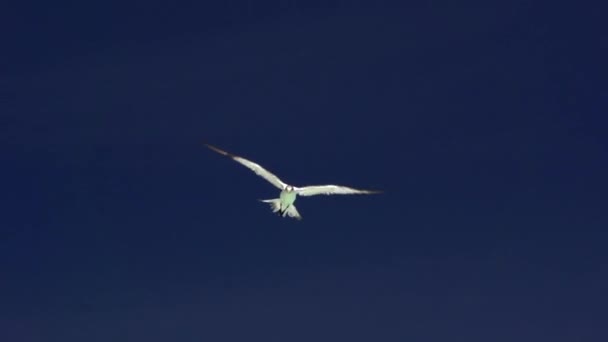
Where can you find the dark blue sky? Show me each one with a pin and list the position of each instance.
(484, 123)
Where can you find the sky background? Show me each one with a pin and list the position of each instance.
(484, 123)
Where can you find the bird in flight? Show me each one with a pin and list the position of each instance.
(284, 204)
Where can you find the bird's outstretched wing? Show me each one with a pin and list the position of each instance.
(260, 171)
(332, 190)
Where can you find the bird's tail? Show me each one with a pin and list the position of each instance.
(292, 212)
(275, 204)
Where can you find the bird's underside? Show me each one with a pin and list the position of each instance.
(284, 204)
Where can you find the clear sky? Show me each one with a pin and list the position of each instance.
(485, 125)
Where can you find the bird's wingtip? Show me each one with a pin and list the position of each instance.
(213, 148)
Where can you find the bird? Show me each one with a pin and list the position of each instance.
(284, 204)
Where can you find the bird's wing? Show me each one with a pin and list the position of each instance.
(260, 171)
(331, 190)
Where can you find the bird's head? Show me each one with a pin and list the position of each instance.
(289, 188)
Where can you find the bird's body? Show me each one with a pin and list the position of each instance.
(287, 198)
(284, 204)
